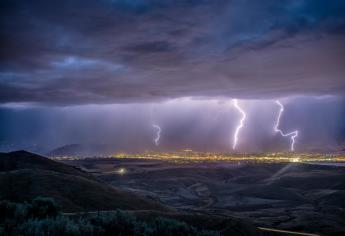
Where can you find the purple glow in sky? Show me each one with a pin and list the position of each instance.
(68, 65)
(199, 124)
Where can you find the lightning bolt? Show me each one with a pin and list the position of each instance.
(292, 135)
(240, 125)
(158, 134)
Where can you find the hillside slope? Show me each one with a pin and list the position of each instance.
(24, 176)
(25, 160)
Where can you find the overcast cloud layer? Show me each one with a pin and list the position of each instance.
(113, 51)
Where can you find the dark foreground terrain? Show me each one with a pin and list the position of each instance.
(221, 198)
(88, 205)
(24, 176)
(42, 216)
(291, 196)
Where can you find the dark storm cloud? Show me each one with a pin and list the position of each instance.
(150, 47)
(69, 52)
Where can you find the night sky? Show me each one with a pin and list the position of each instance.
(104, 71)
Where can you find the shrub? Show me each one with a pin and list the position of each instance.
(171, 227)
(8, 210)
(11, 215)
(42, 217)
(42, 207)
(120, 222)
(49, 226)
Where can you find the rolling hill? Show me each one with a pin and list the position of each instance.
(24, 176)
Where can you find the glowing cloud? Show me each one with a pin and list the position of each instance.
(292, 135)
(240, 125)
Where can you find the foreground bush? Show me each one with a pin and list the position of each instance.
(42, 217)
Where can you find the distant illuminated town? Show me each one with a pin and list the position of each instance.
(188, 155)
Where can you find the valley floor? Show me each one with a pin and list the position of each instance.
(286, 196)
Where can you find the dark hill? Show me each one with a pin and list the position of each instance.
(25, 160)
(73, 193)
(24, 176)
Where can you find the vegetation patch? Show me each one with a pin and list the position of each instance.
(42, 216)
